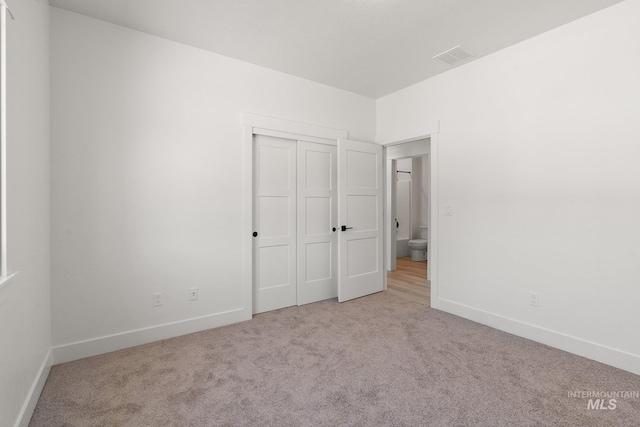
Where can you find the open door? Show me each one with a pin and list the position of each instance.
(360, 266)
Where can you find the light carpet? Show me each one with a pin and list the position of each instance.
(378, 360)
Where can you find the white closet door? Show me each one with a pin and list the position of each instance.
(360, 212)
(317, 219)
(275, 223)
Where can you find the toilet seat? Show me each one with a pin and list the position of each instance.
(418, 242)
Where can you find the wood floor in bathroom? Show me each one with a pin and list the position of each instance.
(409, 280)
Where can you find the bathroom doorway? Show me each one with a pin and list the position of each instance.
(408, 208)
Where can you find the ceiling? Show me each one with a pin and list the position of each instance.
(370, 47)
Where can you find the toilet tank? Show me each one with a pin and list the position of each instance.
(424, 232)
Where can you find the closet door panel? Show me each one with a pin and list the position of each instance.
(317, 215)
(275, 222)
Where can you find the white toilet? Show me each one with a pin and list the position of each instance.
(419, 246)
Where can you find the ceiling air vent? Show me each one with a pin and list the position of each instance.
(453, 55)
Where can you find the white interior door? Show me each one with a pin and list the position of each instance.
(274, 223)
(360, 266)
(317, 222)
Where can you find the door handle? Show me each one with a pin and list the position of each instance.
(255, 234)
(345, 228)
(334, 229)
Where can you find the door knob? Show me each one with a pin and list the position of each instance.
(345, 228)
(255, 234)
(334, 229)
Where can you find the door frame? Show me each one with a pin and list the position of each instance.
(256, 124)
(390, 202)
(430, 131)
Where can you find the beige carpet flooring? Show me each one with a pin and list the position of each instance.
(377, 361)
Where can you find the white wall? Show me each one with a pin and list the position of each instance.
(411, 199)
(424, 191)
(416, 196)
(146, 179)
(538, 156)
(403, 200)
(25, 328)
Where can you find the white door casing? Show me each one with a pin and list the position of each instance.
(275, 224)
(392, 215)
(360, 193)
(317, 221)
(425, 143)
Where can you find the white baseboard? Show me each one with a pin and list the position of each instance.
(93, 347)
(600, 353)
(34, 393)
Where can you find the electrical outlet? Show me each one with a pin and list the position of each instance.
(193, 293)
(533, 299)
(158, 300)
